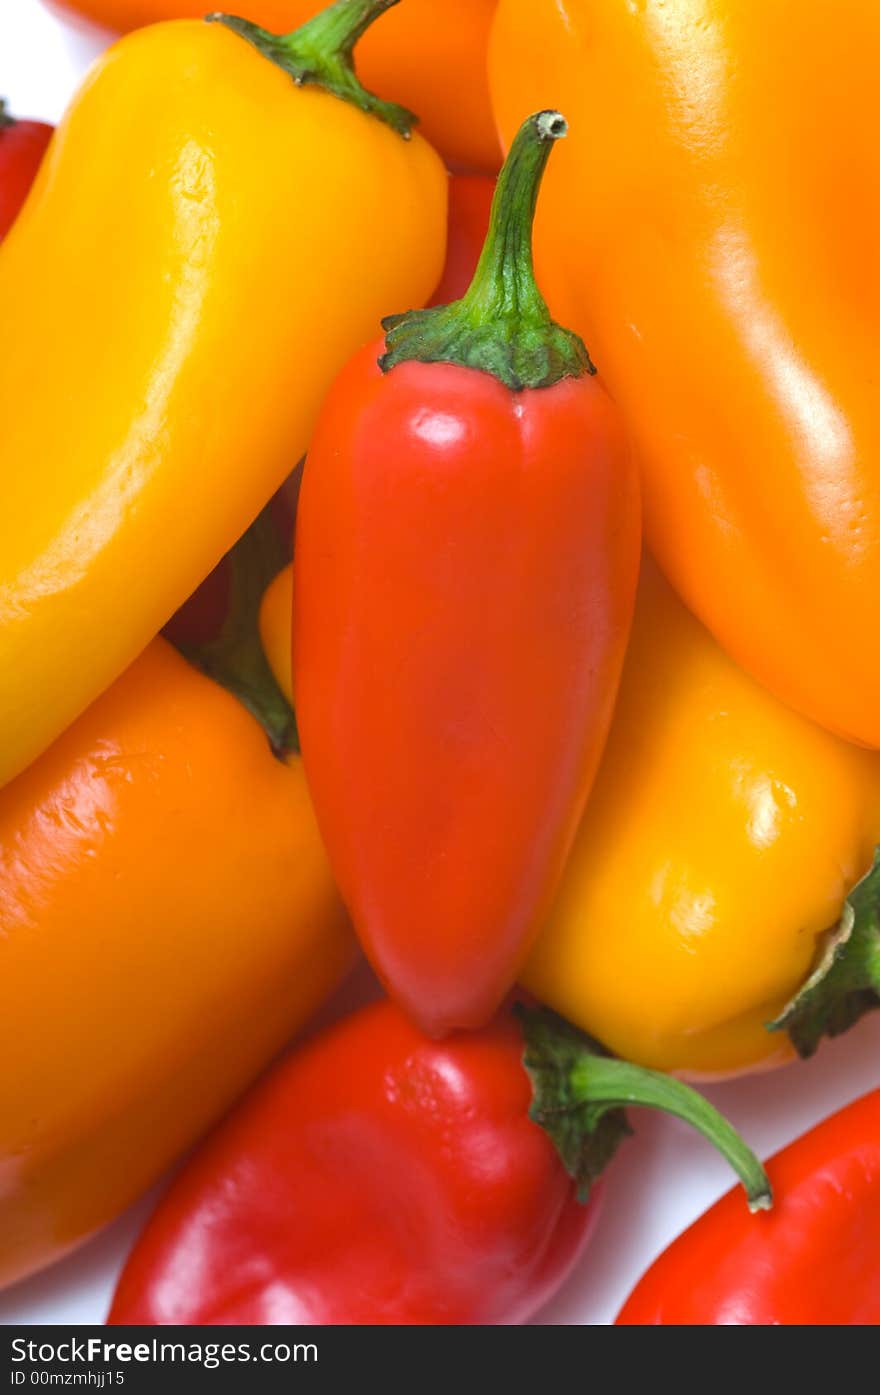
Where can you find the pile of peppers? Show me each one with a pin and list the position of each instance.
(351, 606)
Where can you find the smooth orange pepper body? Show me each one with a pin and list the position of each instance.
(721, 838)
(428, 54)
(168, 919)
(183, 282)
(711, 229)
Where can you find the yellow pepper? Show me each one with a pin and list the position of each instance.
(206, 244)
(721, 839)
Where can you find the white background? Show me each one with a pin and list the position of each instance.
(664, 1177)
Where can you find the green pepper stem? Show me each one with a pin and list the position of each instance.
(236, 659)
(501, 325)
(6, 117)
(504, 281)
(618, 1084)
(336, 29)
(321, 52)
(580, 1092)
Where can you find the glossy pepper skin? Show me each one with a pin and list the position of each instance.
(141, 427)
(467, 553)
(813, 1260)
(379, 1177)
(169, 920)
(721, 838)
(22, 147)
(429, 56)
(717, 249)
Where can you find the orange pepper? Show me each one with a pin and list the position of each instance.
(169, 919)
(711, 228)
(435, 64)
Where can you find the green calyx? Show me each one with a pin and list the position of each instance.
(236, 659)
(845, 983)
(321, 53)
(6, 118)
(501, 325)
(579, 1097)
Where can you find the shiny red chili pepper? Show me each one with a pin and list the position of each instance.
(22, 146)
(814, 1261)
(467, 552)
(378, 1176)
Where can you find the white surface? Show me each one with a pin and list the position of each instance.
(664, 1177)
(42, 59)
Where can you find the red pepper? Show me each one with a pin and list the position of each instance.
(470, 204)
(815, 1261)
(467, 552)
(22, 146)
(378, 1176)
